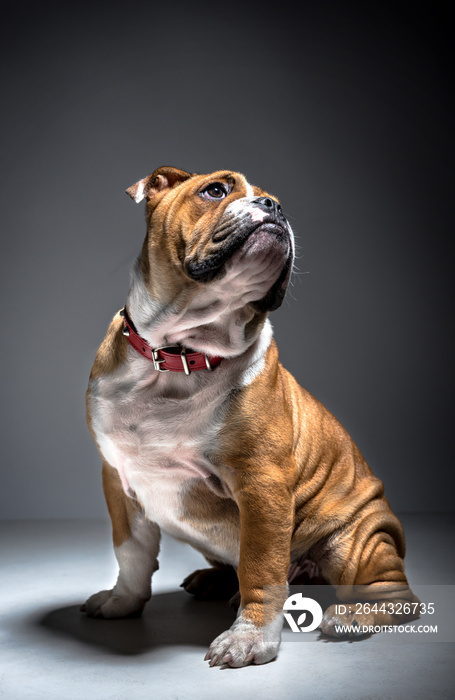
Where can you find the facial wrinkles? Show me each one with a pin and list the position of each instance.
(204, 323)
(213, 320)
(173, 239)
(210, 224)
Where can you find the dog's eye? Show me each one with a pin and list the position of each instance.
(214, 191)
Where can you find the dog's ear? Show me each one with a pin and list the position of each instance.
(163, 178)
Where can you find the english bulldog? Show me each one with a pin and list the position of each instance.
(204, 434)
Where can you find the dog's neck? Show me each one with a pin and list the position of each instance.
(211, 319)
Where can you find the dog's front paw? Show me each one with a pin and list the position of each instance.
(110, 606)
(244, 644)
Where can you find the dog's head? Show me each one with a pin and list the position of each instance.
(214, 232)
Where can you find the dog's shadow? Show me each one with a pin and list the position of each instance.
(173, 618)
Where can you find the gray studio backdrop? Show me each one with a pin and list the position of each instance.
(341, 109)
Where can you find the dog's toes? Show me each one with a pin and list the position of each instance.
(242, 645)
(187, 580)
(335, 624)
(110, 606)
(214, 660)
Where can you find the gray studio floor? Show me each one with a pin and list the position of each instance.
(49, 650)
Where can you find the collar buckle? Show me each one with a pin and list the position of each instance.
(156, 358)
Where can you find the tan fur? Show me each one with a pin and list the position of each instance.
(122, 510)
(112, 351)
(304, 489)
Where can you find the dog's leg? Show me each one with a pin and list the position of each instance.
(367, 561)
(218, 583)
(266, 518)
(136, 546)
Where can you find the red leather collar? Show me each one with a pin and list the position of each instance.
(169, 358)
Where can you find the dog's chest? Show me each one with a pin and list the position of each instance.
(155, 436)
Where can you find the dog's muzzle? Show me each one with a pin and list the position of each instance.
(241, 219)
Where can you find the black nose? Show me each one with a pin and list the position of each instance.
(268, 204)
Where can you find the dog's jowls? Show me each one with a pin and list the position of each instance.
(235, 458)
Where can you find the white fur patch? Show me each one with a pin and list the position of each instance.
(161, 445)
(258, 360)
(240, 206)
(257, 214)
(138, 559)
(139, 196)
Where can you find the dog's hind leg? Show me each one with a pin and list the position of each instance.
(136, 546)
(365, 563)
(218, 583)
